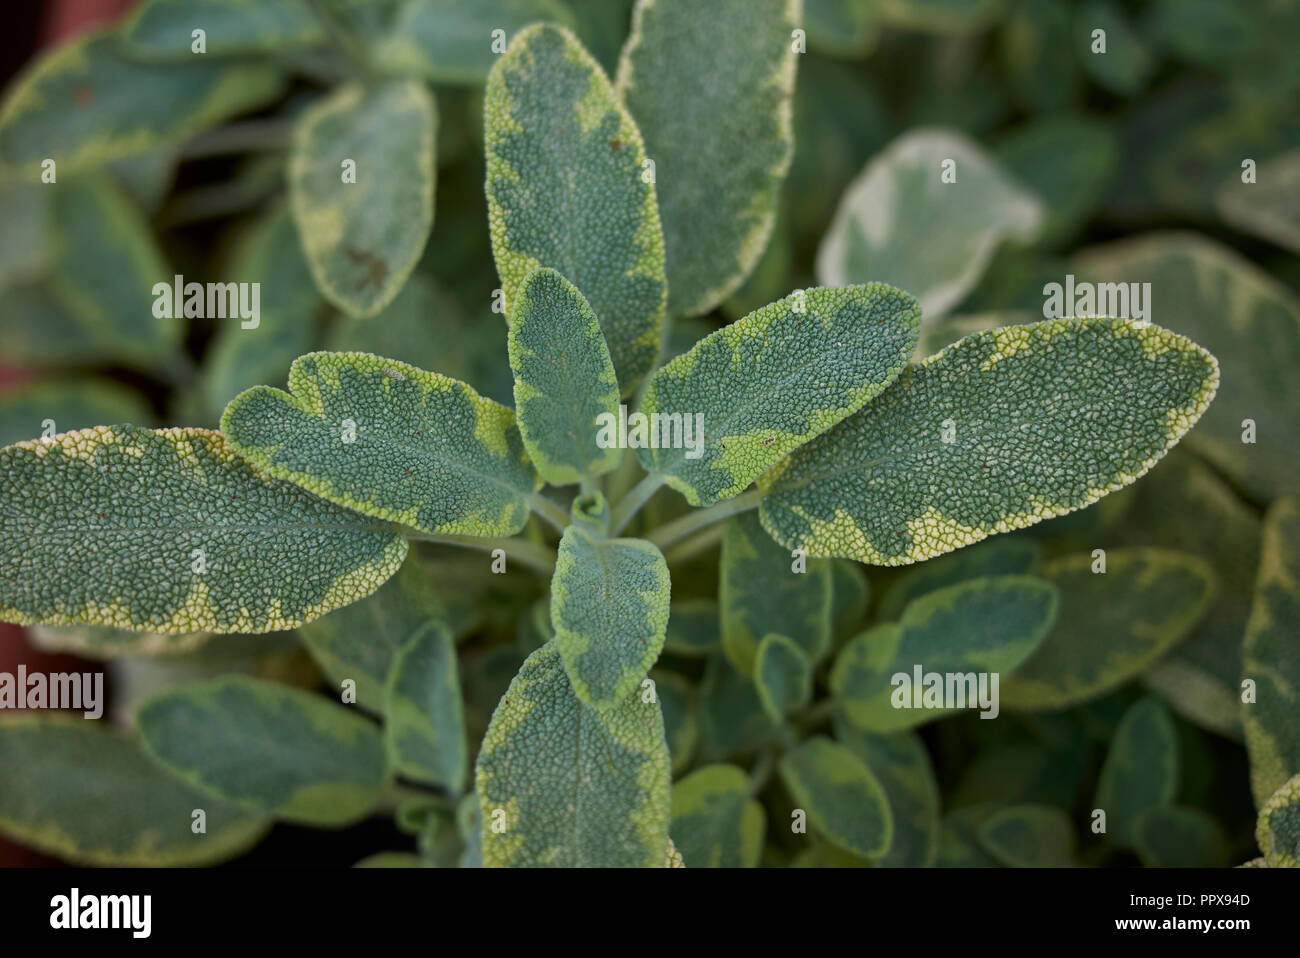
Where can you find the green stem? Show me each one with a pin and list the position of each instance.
(679, 529)
(634, 500)
(394, 794)
(344, 40)
(762, 771)
(702, 541)
(548, 510)
(531, 554)
(248, 137)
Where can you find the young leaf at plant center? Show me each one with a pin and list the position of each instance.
(1028, 836)
(86, 103)
(771, 381)
(721, 140)
(609, 608)
(564, 380)
(782, 675)
(390, 441)
(693, 628)
(1278, 829)
(1266, 207)
(1249, 320)
(424, 724)
(716, 821)
(760, 592)
(361, 181)
(679, 704)
(163, 29)
(843, 799)
(1270, 656)
(282, 751)
(732, 718)
(996, 432)
(566, 190)
(65, 405)
(901, 763)
(83, 539)
(57, 772)
(1141, 769)
(1004, 556)
(565, 785)
(1112, 625)
(1171, 836)
(884, 228)
(977, 629)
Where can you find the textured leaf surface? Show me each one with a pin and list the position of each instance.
(363, 238)
(1171, 836)
(1111, 626)
(782, 675)
(716, 823)
(1028, 836)
(721, 140)
(101, 527)
(578, 787)
(609, 608)
(565, 190)
(843, 799)
(1248, 320)
(424, 722)
(760, 593)
(1141, 769)
(773, 380)
(564, 379)
(268, 747)
(982, 625)
(429, 452)
(85, 104)
(1045, 419)
(70, 403)
(884, 229)
(162, 29)
(1271, 656)
(57, 773)
(1278, 830)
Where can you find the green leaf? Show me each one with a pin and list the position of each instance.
(959, 845)
(843, 799)
(67, 404)
(85, 104)
(602, 25)
(716, 821)
(1170, 836)
(1045, 419)
(733, 720)
(884, 227)
(721, 140)
(771, 381)
(57, 774)
(24, 242)
(162, 29)
(609, 608)
(279, 750)
(680, 706)
(1009, 556)
(782, 675)
(1125, 65)
(84, 539)
(1271, 658)
(940, 16)
(1278, 829)
(564, 784)
(841, 28)
(564, 380)
(760, 593)
(565, 190)
(390, 860)
(1141, 769)
(99, 642)
(988, 625)
(1267, 207)
(424, 724)
(426, 451)
(1248, 320)
(850, 599)
(1029, 836)
(1032, 42)
(363, 237)
(693, 628)
(1112, 625)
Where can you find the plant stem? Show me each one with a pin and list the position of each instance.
(702, 541)
(548, 510)
(761, 771)
(679, 529)
(634, 500)
(248, 137)
(531, 554)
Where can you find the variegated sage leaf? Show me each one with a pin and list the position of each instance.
(769, 382)
(884, 229)
(564, 380)
(563, 784)
(939, 16)
(390, 441)
(1278, 827)
(163, 29)
(57, 772)
(1270, 656)
(1173, 836)
(844, 801)
(976, 630)
(86, 103)
(1112, 625)
(567, 188)
(424, 721)
(1006, 556)
(841, 28)
(1269, 206)
(1028, 836)
(268, 747)
(760, 592)
(1141, 769)
(998, 431)
(693, 628)
(69, 404)
(170, 531)
(782, 675)
(733, 720)
(721, 140)
(361, 181)
(679, 703)
(609, 608)
(716, 820)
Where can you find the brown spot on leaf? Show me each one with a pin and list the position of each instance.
(376, 268)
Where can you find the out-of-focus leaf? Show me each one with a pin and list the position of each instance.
(940, 16)
(1003, 556)
(1032, 42)
(67, 405)
(693, 628)
(1269, 207)
(732, 718)
(841, 28)
(1125, 64)
(1141, 769)
(680, 706)
(1028, 836)
(1171, 836)
(716, 822)
(163, 29)
(842, 798)
(782, 675)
